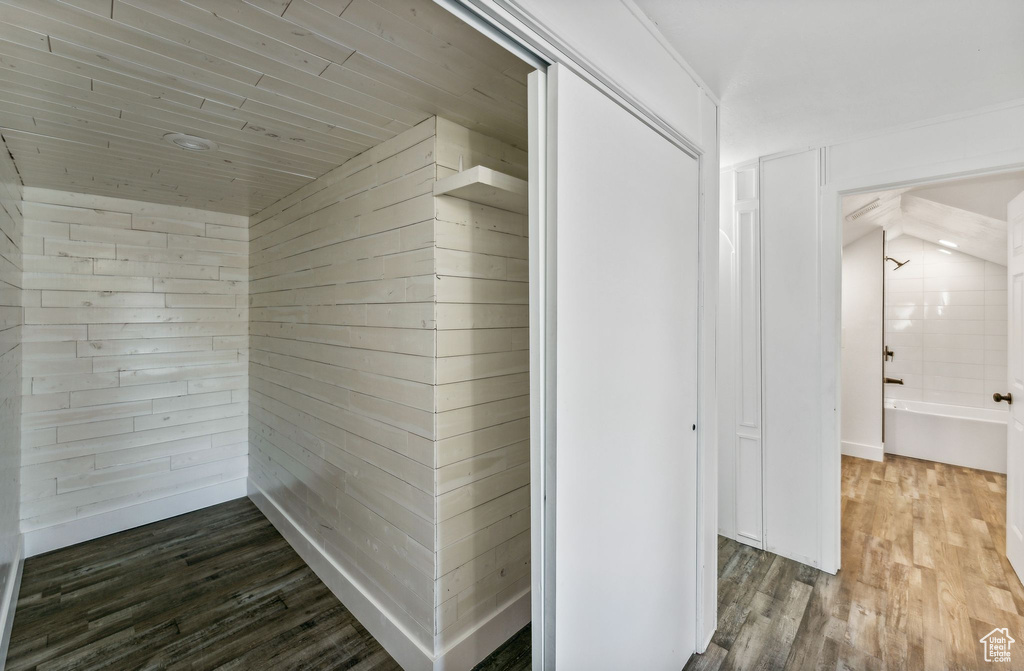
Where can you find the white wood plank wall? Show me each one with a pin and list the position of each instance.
(10, 368)
(389, 381)
(135, 356)
(342, 369)
(483, 425)
(289, 89)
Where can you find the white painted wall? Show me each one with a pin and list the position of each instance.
(983, 140)
(726, 359)
(862, 346)
(740, 476)
(790, 350)
(707, 458)
(626, 388)
(860, 66)
(946, 322)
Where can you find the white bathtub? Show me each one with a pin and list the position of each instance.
(950, 434)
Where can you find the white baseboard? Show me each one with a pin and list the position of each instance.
(707, 641)
(58, 536)
(863, 451)
(461, 655)
(10, 602)
(741, 537)
(797, 557)
(747, 539)
(475, 645)
(406, 650)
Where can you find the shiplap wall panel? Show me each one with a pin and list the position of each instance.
(11, 354)
(136, 354)
(342, 368)
(389, 378)
(482, 393)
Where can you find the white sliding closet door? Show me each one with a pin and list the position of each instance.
(625, 219)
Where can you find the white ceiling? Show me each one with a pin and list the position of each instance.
(793, 73)
(987, 195)
(880, 209)
(971, 213)
(288, 89)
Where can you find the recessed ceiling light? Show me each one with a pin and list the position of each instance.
(190, 142)
(948, 243)
(945, 251)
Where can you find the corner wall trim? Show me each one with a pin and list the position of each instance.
(464, 654)
(10, 602)
(399, 644)
(476, 645)
(59, 536)
(872, 452)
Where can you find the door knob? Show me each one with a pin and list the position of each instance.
(1003, 397)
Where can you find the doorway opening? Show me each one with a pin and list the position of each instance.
(924, 420)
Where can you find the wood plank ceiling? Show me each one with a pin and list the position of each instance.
(288, 89)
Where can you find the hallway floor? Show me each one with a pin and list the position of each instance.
(924, 577)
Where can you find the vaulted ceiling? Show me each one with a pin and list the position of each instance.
(287, 89)
(970, 213)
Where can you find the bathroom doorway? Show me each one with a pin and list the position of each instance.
(925, 409)
(924, 322)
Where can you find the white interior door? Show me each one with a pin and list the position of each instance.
(625, 216)
(1015, 359)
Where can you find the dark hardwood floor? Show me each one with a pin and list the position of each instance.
(515, 654)
(215, 589)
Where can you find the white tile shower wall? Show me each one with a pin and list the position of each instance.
(945, 319)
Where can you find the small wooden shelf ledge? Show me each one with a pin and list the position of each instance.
(487, 187)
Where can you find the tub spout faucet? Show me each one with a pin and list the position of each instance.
(893, 380)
